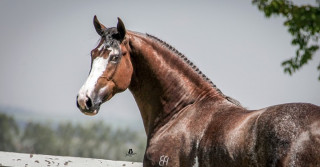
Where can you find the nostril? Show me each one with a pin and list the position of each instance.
(89, 102)
(77, 102)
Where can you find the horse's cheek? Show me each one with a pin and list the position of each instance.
(123, 75)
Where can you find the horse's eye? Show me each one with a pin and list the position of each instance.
(114, 58)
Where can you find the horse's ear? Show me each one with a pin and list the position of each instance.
(98, 26)
(121, 29)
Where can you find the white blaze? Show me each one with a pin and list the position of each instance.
(99, 65)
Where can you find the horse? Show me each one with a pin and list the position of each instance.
(187, 119)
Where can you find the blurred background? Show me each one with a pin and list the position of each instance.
(45, 58)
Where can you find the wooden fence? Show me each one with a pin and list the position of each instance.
(37, 160)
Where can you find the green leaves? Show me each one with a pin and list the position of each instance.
(303, 23)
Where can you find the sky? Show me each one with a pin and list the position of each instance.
(45, 47)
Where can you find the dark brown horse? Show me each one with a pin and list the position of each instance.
(187, 119)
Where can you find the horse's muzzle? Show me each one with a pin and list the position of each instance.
(87, 106)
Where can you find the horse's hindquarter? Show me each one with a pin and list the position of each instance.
(289, 135)
(282, 135)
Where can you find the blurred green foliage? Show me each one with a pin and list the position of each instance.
(91, 140)
(303, 23)
(8, 133)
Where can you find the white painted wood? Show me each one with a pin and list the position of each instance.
(38, 160)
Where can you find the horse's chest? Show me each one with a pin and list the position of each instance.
(170, 146)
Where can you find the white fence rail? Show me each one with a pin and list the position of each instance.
(37, 160)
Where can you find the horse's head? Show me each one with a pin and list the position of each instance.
(111, 68)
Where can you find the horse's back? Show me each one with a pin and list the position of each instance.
(281, 135)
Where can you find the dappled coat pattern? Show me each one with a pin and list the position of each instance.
(187, 119)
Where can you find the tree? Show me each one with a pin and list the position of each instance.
(92, 140)
(39, 138)
(9, 133)
(303, 23)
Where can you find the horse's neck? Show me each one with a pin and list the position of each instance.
(163, 84)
